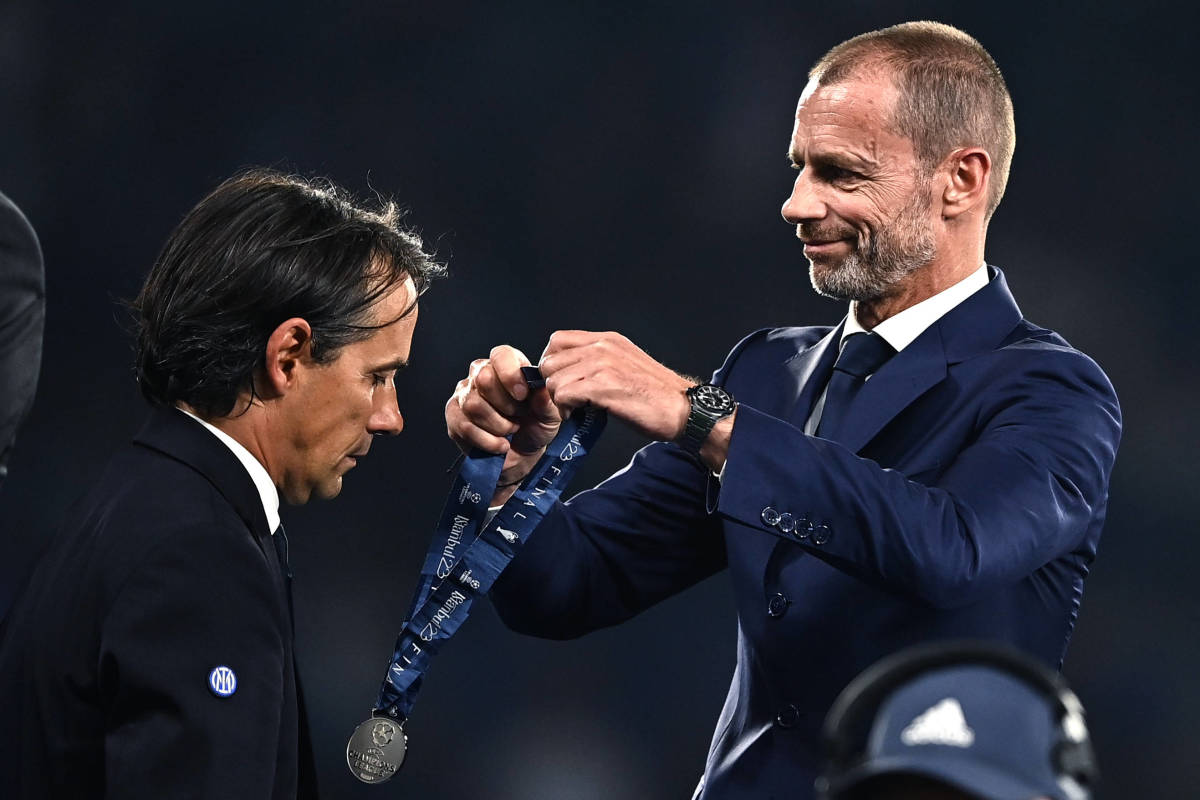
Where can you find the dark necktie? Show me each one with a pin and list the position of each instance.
(279, 539)
(307, 787)
(862, 355)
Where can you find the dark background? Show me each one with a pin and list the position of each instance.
(603, 168)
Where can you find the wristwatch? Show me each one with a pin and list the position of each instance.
(709, 405)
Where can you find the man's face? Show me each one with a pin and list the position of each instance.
(327, 421)
(861, 203)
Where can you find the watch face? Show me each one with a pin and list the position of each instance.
(713, 398)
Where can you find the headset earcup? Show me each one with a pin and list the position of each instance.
(848, 724)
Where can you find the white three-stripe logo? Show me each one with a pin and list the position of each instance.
(943, 723)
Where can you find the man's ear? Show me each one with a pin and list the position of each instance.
(969, 173)
(289, 346)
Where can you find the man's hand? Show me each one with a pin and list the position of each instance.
(493, 402)
(609, 371)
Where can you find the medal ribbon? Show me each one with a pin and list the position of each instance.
(464, 561)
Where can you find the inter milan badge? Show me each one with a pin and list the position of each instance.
(376, 750)
(222, 682)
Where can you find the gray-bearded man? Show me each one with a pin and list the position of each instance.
(933, 467)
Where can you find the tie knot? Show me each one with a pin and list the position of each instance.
(863, 354)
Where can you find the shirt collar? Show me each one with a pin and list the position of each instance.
(901, 330)
(258, 473)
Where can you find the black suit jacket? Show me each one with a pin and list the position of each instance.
(22, 311)
(165, 572)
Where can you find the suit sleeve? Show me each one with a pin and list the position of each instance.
(22, 312)
(203, 599)
(1026, 491)
(637, 538)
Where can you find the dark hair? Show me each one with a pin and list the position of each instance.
(951, 92)
(259, 249)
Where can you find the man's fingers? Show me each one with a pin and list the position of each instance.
(572, 387)
(466, 433)
(598, 351)
(543, 409)
(495, 402)
(482, 414)
(506, 362)
(491, 387)
(566, 358)
(472, 437)
(565, 340)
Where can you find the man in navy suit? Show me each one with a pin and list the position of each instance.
(933, 467)
(151, 653)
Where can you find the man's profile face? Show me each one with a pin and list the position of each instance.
(860, 202)
(329, 420)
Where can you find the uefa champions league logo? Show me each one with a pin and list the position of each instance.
(382, 734)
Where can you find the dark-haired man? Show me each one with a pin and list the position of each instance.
(934, 466)
(151, 655)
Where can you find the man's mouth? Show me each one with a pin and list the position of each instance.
(815, 246)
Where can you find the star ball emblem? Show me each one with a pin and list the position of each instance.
(382, 734)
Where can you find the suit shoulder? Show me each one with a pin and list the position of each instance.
(772, 344)
(151, 490)
(1035, 356)
(783, 339)
(1036, 345)
(146, 507)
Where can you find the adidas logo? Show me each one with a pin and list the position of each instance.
(944, 723)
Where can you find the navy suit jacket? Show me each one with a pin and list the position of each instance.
(166, 571)
(967, 501)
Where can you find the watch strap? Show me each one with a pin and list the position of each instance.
(701, 420)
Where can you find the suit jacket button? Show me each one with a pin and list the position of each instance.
(777, 606)
(770, 516)
(788, 716)
(821, 534)
(804, 528)
(787, 523)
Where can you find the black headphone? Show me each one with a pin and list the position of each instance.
(848, 724)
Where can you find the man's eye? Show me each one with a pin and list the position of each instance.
(844, 175)
(379, 380)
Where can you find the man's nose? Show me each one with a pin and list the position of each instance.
(387, 419)
(803, 204)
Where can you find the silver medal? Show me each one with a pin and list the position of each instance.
(376, 750)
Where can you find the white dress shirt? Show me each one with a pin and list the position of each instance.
(258, 473)
(902, 329)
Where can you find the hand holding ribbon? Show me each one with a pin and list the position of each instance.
(464, 559)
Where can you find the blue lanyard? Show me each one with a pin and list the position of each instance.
(466, 556)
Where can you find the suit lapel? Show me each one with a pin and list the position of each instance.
(811, 369)
(907, 376)
(976, 325)
(177, 435)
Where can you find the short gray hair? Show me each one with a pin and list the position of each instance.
(951, 92)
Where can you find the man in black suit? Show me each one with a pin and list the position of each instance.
(151, 654)
(22, 311)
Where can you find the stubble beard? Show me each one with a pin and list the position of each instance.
(883, 260)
